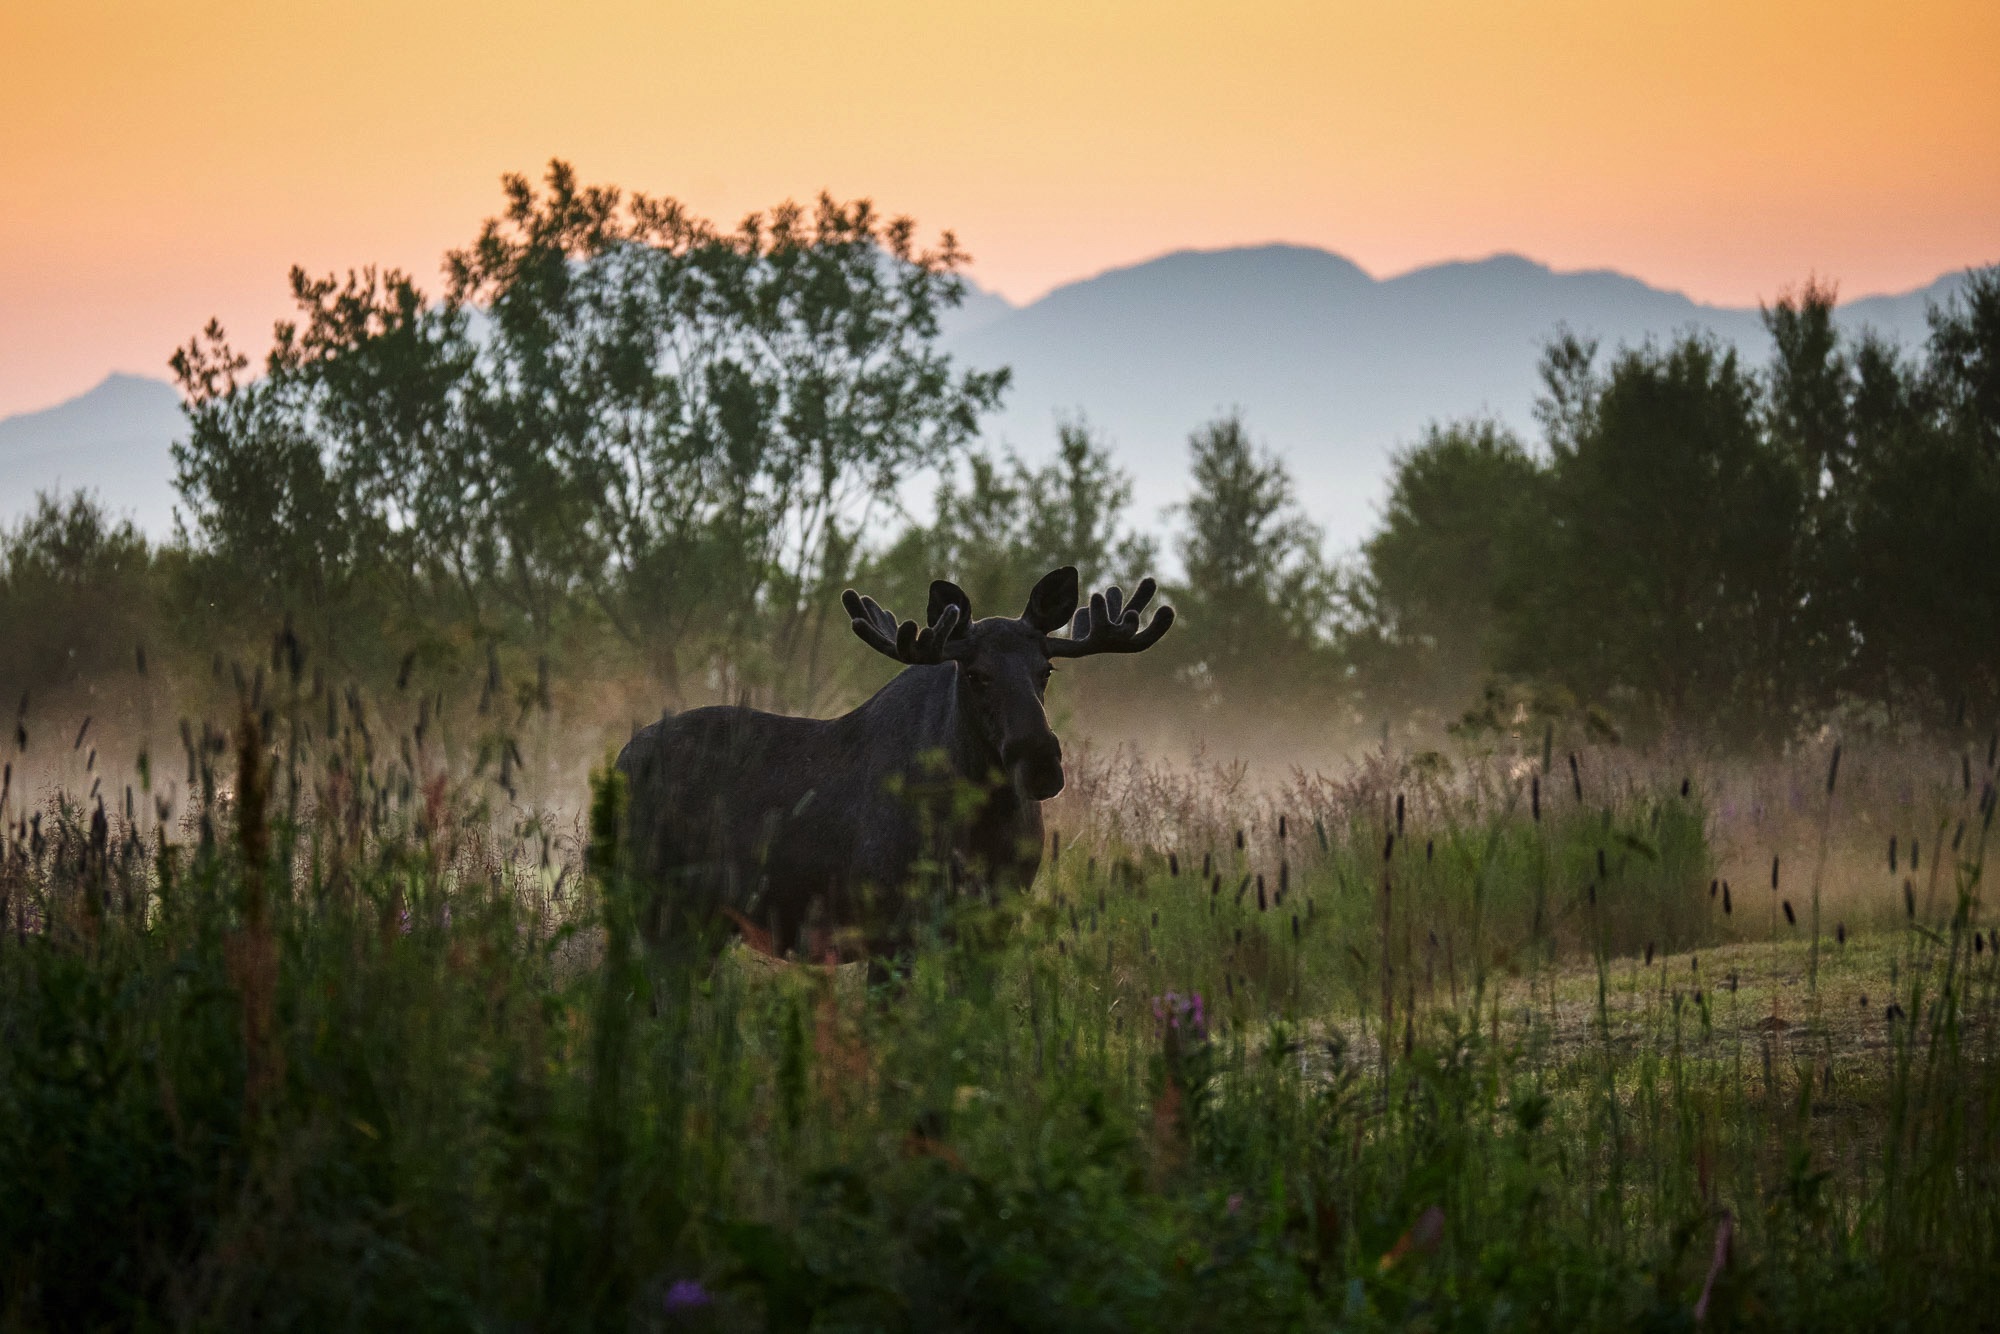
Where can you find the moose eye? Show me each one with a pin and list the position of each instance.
(978, 680)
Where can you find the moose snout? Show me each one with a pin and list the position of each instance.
(1035, 765)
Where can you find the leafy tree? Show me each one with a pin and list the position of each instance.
(1257, 594)
(1459, 504)
(1921, 586)
(1002, 524)
(1667, 576)
(614, 401)
(77, 594)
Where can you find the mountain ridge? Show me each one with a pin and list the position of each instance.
(1332, 367)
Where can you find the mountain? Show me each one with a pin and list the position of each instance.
(113, 439)
(1331, 367)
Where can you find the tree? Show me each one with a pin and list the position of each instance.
(1257, 594)
(1001, 524)
(1921, 587)
(1667, 577)
(77, 594)
(613, 402)
(1459, 504)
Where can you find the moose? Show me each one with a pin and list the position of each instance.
(806, 831)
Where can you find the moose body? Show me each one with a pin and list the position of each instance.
(812, 830)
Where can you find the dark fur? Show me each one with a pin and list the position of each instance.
(805, 826)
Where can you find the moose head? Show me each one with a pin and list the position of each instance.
(1003, 663)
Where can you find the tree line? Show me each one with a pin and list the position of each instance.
(624, 440)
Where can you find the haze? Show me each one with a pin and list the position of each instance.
(165, 163)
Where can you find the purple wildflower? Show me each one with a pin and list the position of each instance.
(684, 1296)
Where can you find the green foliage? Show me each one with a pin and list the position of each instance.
(1256, 593)
(1461, 503)
(1665, 569)
(1003, 524)
(470, 1101)
(615, 407)
(69, 565)
(1700, 547)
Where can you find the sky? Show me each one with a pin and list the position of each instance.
(164, 163)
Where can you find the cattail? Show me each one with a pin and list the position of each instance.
(1388, 847)
(1774, 875)
(1725, 898)
(1790, 920)
(1602, 874)
(1685, 783)
(1214, 886)
(1284, 879)
(1833, 769)
(81, 733)
(1239, 937)
(1864, 1000)
(1575, 778)
(1239, 838)
(1281, 829)
(1295, 926)
(1649, 954)
(1909, 900)
(1319, 832)
(1055, 848)
(1229, 982)
(1548, 745)
(1174, 865)
(1399, 813)
(1156, 919)
(1261, 905)
(1590, 892)
(1535, 797)
(1978, 943)
(1892, 854)
(1893, 1013)
(1840, 933)
(1243, 888)
(1090, 872)
(1207, 865)
(1713, 885)
(1430, 849)
(1914, 851)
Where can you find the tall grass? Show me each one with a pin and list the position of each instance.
(337, 1047)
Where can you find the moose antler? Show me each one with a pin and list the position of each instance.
(908, 643)
(1111, 625)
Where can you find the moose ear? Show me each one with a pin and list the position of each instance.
(1053, 602)
(945, 593)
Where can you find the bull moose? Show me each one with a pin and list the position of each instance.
(805, 827)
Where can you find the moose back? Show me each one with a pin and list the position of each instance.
(808, 831)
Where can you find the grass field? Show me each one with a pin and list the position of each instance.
(1431, 1044)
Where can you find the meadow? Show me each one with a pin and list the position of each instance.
(348, 1032)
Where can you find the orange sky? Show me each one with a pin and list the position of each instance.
(164, 162)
